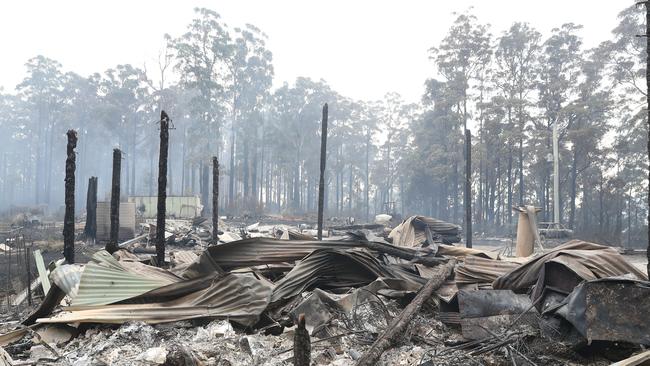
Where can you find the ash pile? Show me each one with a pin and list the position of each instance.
(271, 294)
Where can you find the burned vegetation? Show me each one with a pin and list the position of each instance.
(499, 221)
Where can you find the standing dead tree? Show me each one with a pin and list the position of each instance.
(90, 230)
(215, 200)
(321, 182)
(111, 246)
(162, 188)
(468, 188)
(68, 220)
(647, 79)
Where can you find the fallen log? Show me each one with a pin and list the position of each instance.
(399, 325)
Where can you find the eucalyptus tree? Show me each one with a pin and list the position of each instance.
(627, 55)
(17, 151)
(293, 129)
(460, 58)
(124, 96)
(248, 87)
(42, 91)
(462, 53)
(558, 73)
(516, 55)
(587, 122)
(201, 55)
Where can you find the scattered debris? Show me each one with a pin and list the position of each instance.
(280, 297)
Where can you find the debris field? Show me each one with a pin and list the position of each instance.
(387, 294)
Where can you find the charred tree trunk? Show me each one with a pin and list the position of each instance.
(162, 189)
(468, 189)
(68, 220)
(111, 246)
(574, 183)
(215, 200)
(231, 176)
(509, 186)
(647, 78)
(90, 229)
(321, 182)
(521, 170)
(367, 187)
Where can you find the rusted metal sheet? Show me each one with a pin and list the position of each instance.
(491, 310)
(481, 270)
(586, 260)
(328, 268)
(258, 251)
(610, 309)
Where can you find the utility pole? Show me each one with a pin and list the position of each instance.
(215, 200)
(468, 188)
(556, 176)
(321, 182)
(111, 246)
(162, 189)
(68, 220)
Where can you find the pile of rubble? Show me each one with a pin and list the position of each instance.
(273, 295)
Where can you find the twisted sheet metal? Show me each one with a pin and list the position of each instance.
(106, 281)
(238, 297)
(329, 268)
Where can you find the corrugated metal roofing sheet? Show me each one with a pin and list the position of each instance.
(107, 281)
(238, 297)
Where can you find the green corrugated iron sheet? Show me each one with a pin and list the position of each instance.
(106, 281)
(238, 297)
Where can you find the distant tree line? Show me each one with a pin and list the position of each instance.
(215, 82)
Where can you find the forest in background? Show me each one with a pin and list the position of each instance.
(215, 82)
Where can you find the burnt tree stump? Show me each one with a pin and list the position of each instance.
(301, 344)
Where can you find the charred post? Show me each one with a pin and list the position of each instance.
(68, 220)
(111, 246)
(468, 189)
(90, 230)
(301, 344)
(215, 200)
(162, 189)
(321, 182)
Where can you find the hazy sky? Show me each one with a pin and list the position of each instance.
(363, 49)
